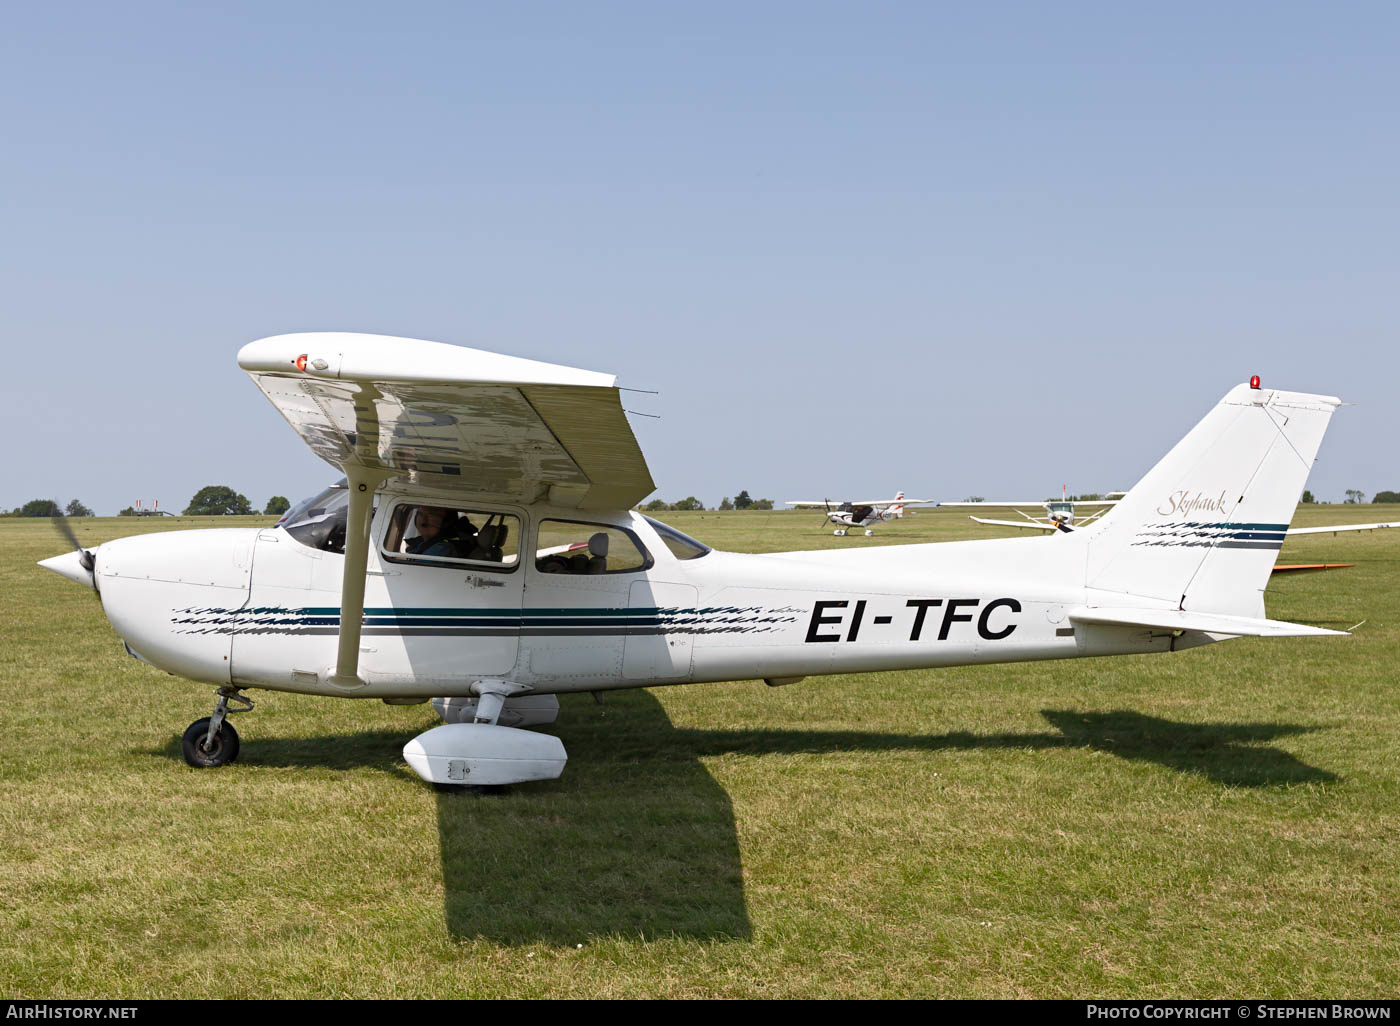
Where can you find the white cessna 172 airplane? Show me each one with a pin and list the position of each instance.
(482, 552)
(1059, 513)
(858, 514)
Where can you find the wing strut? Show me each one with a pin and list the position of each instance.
(363, 481)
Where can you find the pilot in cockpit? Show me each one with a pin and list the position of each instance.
(436, 528)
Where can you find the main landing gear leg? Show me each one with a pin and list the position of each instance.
(492, 695)
(212, 741)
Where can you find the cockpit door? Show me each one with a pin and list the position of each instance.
(437, 618)
(430, 623)
(427, 623)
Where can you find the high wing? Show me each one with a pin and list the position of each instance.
(883, 503)
(997, 505)
(1030, 502)
(1341, 527)
(450, 417)
(877, 503)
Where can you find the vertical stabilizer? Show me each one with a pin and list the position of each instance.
(1202, 529)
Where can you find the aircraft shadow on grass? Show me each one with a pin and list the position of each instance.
(639, 840)
(1233, 754)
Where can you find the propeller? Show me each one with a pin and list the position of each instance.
(826, 517)
(86, 559)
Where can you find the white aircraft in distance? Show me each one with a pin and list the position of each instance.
(1059, 513)
(858, 514)
(1060, 517)
(419, 577)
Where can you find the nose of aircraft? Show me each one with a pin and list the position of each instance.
(71, 565)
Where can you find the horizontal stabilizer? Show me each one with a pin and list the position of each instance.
(1186, 620)
(1033, 525)
(1341, 527)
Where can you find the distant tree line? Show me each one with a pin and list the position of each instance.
(49, 508)
(1355, 495)
(221, 500)
(210, 501)
(742, 501)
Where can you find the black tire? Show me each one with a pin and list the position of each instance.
(223, 751)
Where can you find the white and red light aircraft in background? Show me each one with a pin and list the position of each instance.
(861, 513)
(482, 552)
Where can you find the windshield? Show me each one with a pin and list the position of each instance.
(682, 546)
(297, 512)
(320, 520)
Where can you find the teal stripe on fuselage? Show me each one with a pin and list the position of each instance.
(497, 611)
(425, 615)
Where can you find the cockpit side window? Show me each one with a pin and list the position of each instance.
(452, 536)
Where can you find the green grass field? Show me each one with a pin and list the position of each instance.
(1217, 823)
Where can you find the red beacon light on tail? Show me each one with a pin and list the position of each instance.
(1254, 381)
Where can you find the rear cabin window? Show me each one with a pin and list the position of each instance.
(453, 536)
(575, 547)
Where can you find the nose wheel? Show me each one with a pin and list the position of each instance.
(200, 751)
(212, 741)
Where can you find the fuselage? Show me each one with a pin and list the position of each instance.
(260, 608)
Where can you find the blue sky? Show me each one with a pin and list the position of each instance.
(954, 249)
